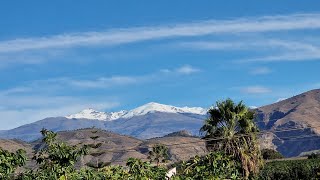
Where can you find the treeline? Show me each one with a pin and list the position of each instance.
(231, 139)
(291, 169)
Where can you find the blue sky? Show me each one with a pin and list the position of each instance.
(59, 57)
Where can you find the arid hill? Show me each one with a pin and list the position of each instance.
(294, 123)
(115, 148)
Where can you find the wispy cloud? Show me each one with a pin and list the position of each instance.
(281, 50)
(255, 90)
(260, 71)
(183, 70)
(105, 82)
(292, 51)
(129, 35)
(187, 69)
(109, 82)
(102, 82)
(289, 56)
(23, 109)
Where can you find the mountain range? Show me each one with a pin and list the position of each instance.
(290, 126)
(151, 107)
(147, 121)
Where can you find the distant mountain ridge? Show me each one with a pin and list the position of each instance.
(139, 111)
(153, 124)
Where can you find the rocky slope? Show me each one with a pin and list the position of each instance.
(293, 124)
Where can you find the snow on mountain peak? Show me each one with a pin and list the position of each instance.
(157, 107)
(89, 114)
(139, 111)
(96, 115)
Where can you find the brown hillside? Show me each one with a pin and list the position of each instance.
(118, 148)
(295, 123)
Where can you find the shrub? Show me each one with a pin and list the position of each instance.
(10, 161)
(314, 156)
(215, 165)
(291, 169)
(271, 154)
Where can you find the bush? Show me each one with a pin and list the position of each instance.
(215, 165)
(294, 169)
(314, 156)
(271, 154)
(9, 161)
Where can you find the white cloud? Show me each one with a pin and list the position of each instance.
(183, 70)
(281, 99)
(105, 82)
(255, 90)
(165, 70)
(253, 107)
(23, 109)
(210, 45)
(129, 35)
(113, 81)
(261, 71)
(245, 44)
(289, 56)
(187, 69)
(281, 50)
(292, 51)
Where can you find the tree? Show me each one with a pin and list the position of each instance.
(96, 153)
(144, 171)
(231, 129)
(271, 154)
(56, 159)
(9, 161)
(314, 156)
(159, 154)
(214, 165)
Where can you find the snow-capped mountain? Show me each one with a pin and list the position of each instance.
(96, 115)
(139, 111)
(156, 107)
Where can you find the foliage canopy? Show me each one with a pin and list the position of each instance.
(231, 129)
(10, 161)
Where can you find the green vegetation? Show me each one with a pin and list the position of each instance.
(215, 165)
(143, 170)
(56, 159)
(314, 156)
(95, 153)
(231, 129)
(292, 169)
(271, 154)
(10, 161)
(159, 154)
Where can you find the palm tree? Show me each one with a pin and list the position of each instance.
(159, 154)
(231, 129)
